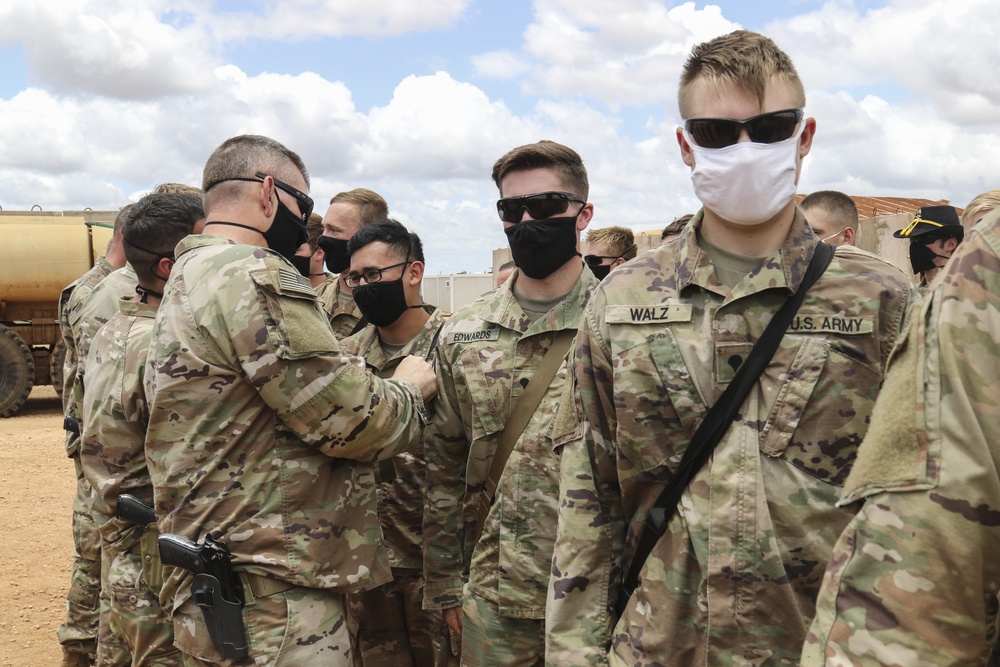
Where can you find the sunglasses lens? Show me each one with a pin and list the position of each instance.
(592, 260)
(772, 127)
(714, 132)
(540, 206)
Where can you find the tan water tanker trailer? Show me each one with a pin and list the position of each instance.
(40, 253)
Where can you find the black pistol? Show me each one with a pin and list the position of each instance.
(133, 510)
(216, 588)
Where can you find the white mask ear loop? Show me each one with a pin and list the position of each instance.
(827, 238)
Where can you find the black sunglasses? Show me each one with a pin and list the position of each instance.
(595, 260)
(304, 200)
(539, 206)
(767, 128)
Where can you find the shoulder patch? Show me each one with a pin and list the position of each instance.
(490, 334)
(646, 314)
(283, 281)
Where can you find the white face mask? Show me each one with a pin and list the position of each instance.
(746, 183)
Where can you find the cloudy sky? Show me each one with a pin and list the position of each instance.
(102, 99)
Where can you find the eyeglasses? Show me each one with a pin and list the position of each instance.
(370, 276)
(304, 201)
(767, 128)
(539, 206)
(906, 231)
(596, 260)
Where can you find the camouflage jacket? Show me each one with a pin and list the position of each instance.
(735, 577)
(343, 319)
(71, 302)
(401, 501)
(487, 353)
(914, 578)
(113, 454)
(261, 430)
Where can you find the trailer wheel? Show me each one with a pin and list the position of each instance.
(56, 362)
(17, 372)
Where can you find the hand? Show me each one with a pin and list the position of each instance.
(419, 372)
(453, 617)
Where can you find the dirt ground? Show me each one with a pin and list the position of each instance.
(37, 483)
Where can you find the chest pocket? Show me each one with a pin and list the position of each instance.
(296, 324)
(487, 380)
(821, 412)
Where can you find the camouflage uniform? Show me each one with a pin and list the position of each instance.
(79, 632)
(392, 627)
(914, 578)
(734, 579)
(261, 431)
(114, 461)
(488, 352)
(343, 317)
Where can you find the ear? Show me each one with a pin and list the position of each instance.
(848, 236)
(686, 153)
(951, 244)
(618, 262)
(165, 265)
(586, 215)
(264, 197)
(415, 272)
(806, 138)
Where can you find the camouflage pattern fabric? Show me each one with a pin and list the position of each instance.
(114, 462)
(914, 578)
(392, 627)
(487, 353)
(298, 627)
(343, 317)
(734, 579)
(492, 639)
(81, 626)
(261, 430)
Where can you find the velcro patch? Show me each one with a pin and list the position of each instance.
(481, 336)
(835, 324)
(679, 312)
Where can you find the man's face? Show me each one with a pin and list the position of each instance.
(826, 228)
(378, 256)
(710, 100)
(341, 221)
(534, 181)
(602, 250)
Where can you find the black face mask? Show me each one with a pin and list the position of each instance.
(286, 232)
(600, 271)
(303, 264)
(337, 258)
(922, 257)
(540, 247)
(382, 303)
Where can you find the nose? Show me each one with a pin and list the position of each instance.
(744, 135)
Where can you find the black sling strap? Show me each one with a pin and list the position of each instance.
(716, 423)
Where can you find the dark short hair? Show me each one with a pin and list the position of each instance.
(677, 226)
(840, 207)
(244, 156)
(566, 161)
(391, 232)
(155, 226)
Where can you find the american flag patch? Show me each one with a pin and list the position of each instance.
(292, 281)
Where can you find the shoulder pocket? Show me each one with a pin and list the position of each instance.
(481, 367)
(296, 324)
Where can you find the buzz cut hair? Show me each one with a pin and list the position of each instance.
(545, 154)
(371, 206)
(841, 207)
(742, 59)
(620, 240)
(242, 157)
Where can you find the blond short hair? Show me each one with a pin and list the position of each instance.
(176, 189)
(980, 204)
(620, 240)
(742, 59)
(371, 206)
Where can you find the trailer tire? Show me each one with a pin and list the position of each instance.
(17, 372)
(56, 366)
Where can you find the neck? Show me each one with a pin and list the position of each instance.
(236, 214)
(758, 240)
(406, 328)
(560, 283)
(317, 279)
(930, 273)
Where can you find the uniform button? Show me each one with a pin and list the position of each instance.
(133, 599)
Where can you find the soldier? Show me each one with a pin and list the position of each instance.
(349, 211)
(914, 578)
(674, 229)
(934, 234)
(832, 215)
(78, 635)
(504, 272)
(113, 434)
(607, 248)
(309, 258)
(489, 353)
(387, 268)
(733, 579)
(979, 207)
(261, 429)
